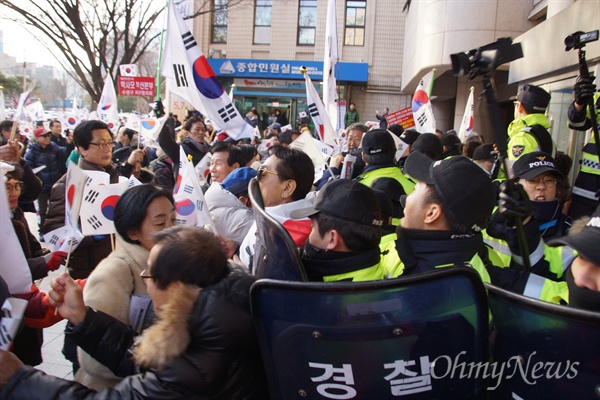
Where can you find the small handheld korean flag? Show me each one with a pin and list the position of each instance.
(190, 206)
(75, 183)
(203, 168)
(13, 265)
(98, 208)
(35, 111)
(192, 78)
(151, 127)
(312, 147)
(128, 70)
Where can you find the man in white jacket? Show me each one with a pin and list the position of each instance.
(229, 204)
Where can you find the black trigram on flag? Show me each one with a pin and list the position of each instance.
(92, 196)
(228, 112)
(422, 119)
(94, 222)
(88, 180)
(313, 110)
(188, 40)
(54, 239)
(179, 73)
(188, 189)
(180, 221)
(199, 205)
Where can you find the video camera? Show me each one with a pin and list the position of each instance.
(486, 58)
(579, 39)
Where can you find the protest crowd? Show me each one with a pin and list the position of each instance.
(160, 237)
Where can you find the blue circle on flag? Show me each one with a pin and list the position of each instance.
(206, 81)
(108, 207)
(184, 207)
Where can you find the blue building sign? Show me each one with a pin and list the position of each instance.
(285, 69)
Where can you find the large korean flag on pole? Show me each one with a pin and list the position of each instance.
(421, 104)
(318, 114)
(330, 59)
(108, 110)
(466, 126)
(195, 81)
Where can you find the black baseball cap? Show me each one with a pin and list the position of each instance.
(533, 98)
(409, 136)
(586, 241)
(484, 152)
(530, 165)
(429, 144)
(450, 140)
(465, 189)
(345, 199)
(378, 141)
(394, 190)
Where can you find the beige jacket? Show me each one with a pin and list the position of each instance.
(109, 289)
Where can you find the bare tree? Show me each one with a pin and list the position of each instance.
(95, 35)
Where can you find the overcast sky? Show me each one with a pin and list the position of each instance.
(19, 43)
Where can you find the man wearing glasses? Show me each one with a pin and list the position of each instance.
(45, 153)
(284, 179)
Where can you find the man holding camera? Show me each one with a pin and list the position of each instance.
(587, 184)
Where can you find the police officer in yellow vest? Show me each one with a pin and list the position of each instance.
(378, 152)
(442, 224)
(587, 184)
(537, 175)
(346, 229)
(529, 130)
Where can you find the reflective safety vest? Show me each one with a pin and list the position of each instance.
(372, 273)
(407, 183)
(558, 258)
(536, 287)
(389, 256)
(521, 140)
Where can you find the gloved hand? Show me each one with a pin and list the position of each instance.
(55, 260)
(514, 204)
(584, 90)
(159, 109)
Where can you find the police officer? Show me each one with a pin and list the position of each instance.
(442, 224)
(529, 130)
(343, 244)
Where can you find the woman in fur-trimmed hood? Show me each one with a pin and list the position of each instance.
(202, 346)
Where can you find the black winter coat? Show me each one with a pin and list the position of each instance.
(221, 361)
(53, 157)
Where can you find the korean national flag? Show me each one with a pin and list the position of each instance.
(98, 208)
(190, 76)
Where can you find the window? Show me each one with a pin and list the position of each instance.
(219, 21)
(307, 22)
(355, 23)
(262, 21)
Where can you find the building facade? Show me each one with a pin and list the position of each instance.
(386, 46)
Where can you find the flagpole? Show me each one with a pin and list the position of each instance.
(160, 50)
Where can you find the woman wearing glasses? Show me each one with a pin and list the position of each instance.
(28, 343)
(538, 175)
(115, 286)
(202, 345)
